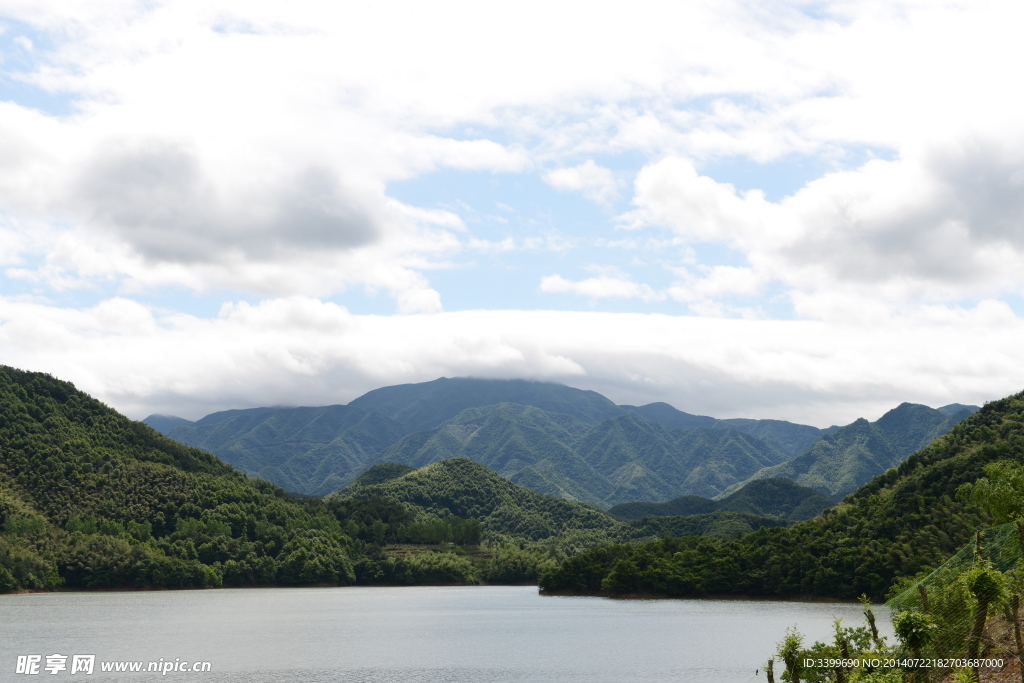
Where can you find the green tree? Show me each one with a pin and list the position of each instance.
(987, 587)
(1000, 492)
(790, 652)
(915, 630)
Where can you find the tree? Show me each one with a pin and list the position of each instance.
(790, 653)
(988, 588)
(1000, 492)
(914, 629)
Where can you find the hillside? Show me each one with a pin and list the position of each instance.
(467, 489)
(378, 474)
(462, 488)
(840, 462)
(554, 439)
(312, 451)
(91, 499)
(901, 522)
(776, 497)
(786, 437)
(619, 459)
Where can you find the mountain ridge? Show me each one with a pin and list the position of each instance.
(847, 458)
(565, 445)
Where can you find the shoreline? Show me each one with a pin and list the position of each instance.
(576, 594)
(139, 589)
(710, 596)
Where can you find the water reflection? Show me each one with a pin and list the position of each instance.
(506, 634)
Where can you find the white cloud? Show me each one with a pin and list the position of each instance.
(601, 287)
(942, 223)
(597, 183)
(301, 351)
(216, 145)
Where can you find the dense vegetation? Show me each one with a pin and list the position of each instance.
(378, 474)
(553, 439)
(776, 497)
(460, 488)
(620, 459)
(312, 451)
(964, 617)
(89, 498)
(903, 521)
(840, 462)
(463, 488)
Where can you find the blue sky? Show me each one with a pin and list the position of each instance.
(810, 212)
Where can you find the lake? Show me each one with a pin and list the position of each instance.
(499, 634)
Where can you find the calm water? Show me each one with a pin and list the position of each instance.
(499, 634)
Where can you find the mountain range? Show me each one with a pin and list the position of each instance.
(842, 461)
(554, 439)
(905, 522)
(92, 499)
(89, 499)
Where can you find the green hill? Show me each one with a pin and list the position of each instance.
(900, 523)
(461, 488)
(840, 462)
(776, 497)
(530, 446)
(467, 489)
(90, 499)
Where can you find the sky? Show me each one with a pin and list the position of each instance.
(811, 211)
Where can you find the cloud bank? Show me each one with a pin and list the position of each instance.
(300, 351)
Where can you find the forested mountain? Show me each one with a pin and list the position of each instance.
(467, 489)
(900, 523)
(619, 459)
(554, 439)
(312, 451)
(427, 405)
(776, 497)
(840, 462)
(462, 488)
(89, 498)
(786, 437)
(378, 474)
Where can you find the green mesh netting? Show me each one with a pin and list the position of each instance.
(1000, 545)
(941, 593)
